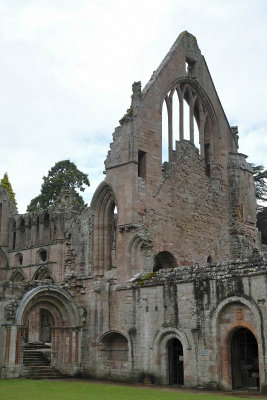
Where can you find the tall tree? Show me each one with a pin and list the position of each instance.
(260, 179)
(7, 185)
(64, 174)
(262, 224)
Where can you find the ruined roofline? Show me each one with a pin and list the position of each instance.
(255, 265)
(167, 59)
(191, 39)
(8, 198)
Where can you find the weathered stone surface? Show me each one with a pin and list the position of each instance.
(154, 279)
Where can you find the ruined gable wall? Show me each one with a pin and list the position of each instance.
(218, 196)
(188, 217)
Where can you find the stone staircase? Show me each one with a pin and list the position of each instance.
(36, 364)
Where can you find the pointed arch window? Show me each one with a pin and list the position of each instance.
(105, 230)
(46, 229)
(185, 117)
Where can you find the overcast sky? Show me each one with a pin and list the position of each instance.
(67, 67)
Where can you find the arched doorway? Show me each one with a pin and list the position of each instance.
(175, 362)
(39, 320)
(49, 324)
(46, 323)
(244, 360)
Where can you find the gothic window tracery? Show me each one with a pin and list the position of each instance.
(185, 117)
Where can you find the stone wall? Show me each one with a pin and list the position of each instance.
(166, 255)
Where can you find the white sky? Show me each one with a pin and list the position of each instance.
(67, 68)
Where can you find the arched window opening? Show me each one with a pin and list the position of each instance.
(196, 134)
(43, 255)
(207, 149)
(14, 236)
(141, 164)
(175, 119)
(164, 260)
(22, 233)
(114, 347)
(18, 259)
(175, 362)
(105, 230)
(42, 274)
(184, 112)
(113, 230)
(17, 276)
(186, 116)
(29, 229)
(209, 260)
(196, 121)
(244, 360)
(46, 235)
(37, 229)
(165, 135)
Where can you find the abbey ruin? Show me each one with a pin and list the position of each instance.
(162, 279)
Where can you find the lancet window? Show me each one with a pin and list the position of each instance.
(105, 228)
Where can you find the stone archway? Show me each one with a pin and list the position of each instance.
(233, 314)
(48, 316)
(171, 345)
(175, 362)
(244, 360)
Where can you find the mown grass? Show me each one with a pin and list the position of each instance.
(25, 389)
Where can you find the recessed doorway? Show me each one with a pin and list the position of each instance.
(175, 362)
(244, 360)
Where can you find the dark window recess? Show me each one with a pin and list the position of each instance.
(207, 158)
(0, 217)
(20, 259)
(209, 260)
(164, 259)
(190, 67)
(14, 240)
(43, 255)
(37, 229)
(114, 347)
(176, 362)
(141, 164)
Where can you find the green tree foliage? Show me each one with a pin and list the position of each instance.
(64, 174)
(7, 185)
(260, 179)
(262, 224)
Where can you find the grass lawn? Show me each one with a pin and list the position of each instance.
(25, 389)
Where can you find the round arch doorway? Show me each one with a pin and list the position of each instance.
(244, 360)
(175, 362)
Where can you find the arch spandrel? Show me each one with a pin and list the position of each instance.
(49, 293)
